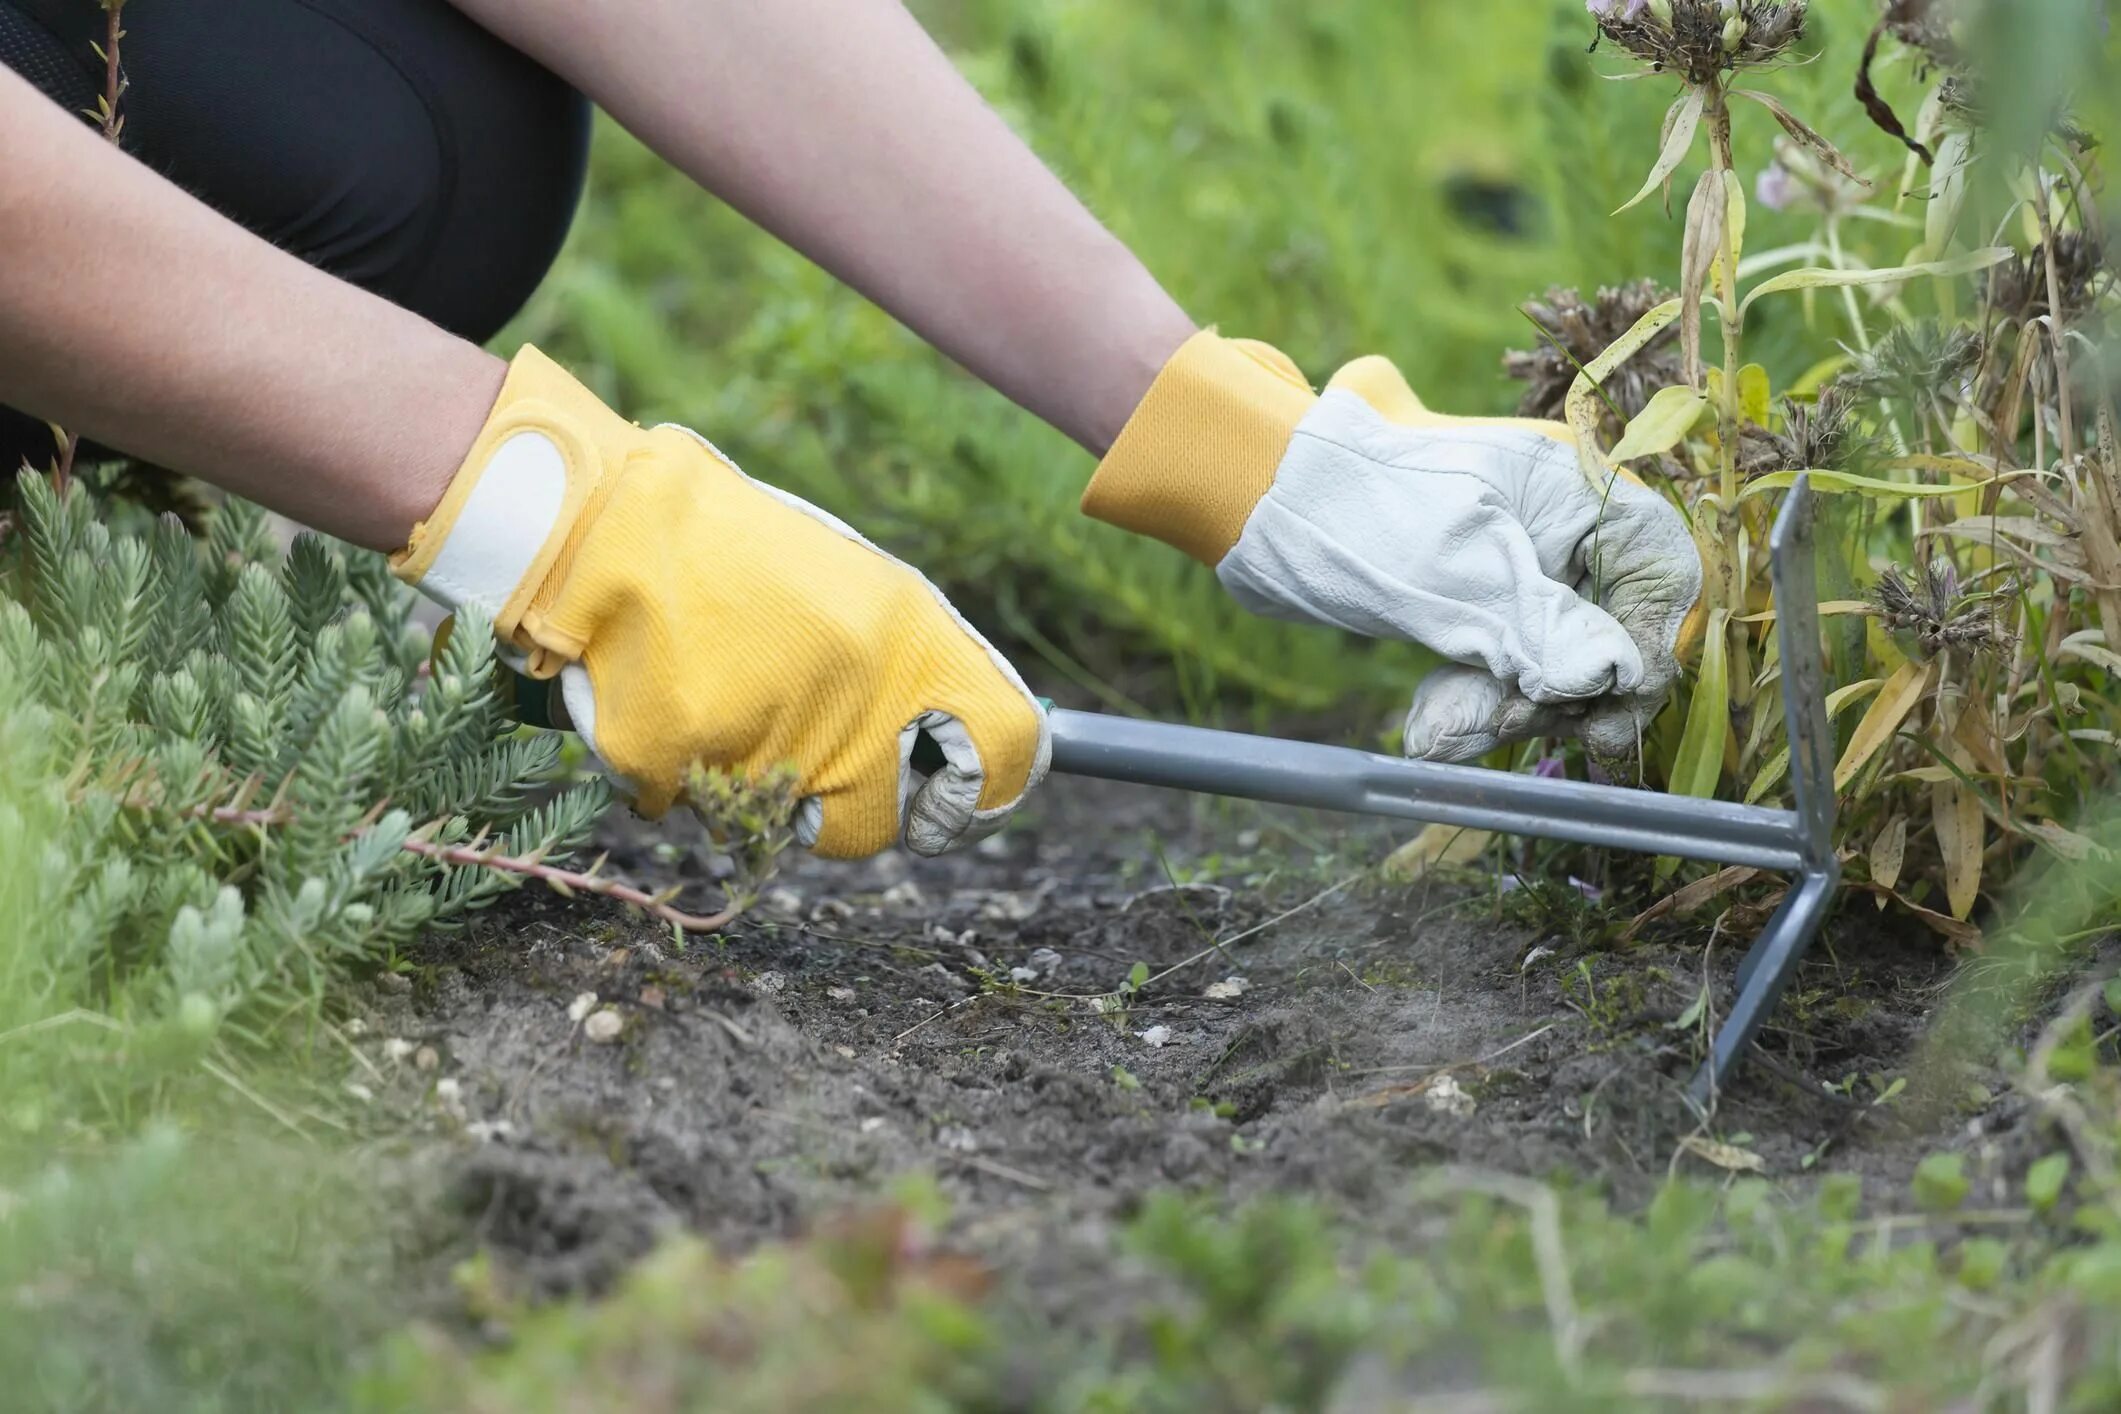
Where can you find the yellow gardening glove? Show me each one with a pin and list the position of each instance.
(1362, 509)
(695, 615)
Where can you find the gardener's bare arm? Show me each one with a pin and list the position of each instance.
(839, 126)
(141, 318)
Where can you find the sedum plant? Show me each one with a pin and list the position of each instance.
(238, 771)
(1958, 414)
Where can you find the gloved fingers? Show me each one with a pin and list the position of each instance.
(1461, 714)
(865, 815)
(968, 798)
(1378, 382)
(1568, 648)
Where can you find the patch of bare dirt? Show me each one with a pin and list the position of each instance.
(1321, 1033)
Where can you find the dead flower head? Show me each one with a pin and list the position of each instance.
(1700, 39)
(2084, 271)
(1916, 362)
(1931, 610)
(1824, 435)
(1579, 330)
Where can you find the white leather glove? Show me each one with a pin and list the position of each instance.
(1481, 539)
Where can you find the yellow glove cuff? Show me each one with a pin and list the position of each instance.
(530, 503)
(1203, 447)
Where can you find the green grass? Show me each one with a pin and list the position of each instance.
(1513, 1293)
(1293, 173)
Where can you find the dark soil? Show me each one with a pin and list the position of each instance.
(861, 1025)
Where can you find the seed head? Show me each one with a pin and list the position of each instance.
(1584, 329)
(2084, 271)
(1823, 434)
(1700, 39)
(1931, 611)
(1916, 362)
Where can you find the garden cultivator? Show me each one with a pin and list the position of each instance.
(1797, 842)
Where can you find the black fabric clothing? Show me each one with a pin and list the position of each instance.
(393, 143)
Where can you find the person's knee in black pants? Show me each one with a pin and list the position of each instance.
(393, 143)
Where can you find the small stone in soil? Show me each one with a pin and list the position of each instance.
(948, 978)
(603, 1027)
(1157, 1036)
(397, 1048)
(1228, 989)
(840, 994)
(426, 1058)
(1043, 961)
(770, 983)
(581, 1006)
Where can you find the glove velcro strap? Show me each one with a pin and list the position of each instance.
(1203, 447)
(506, 522)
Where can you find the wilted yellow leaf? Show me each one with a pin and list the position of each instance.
(1895, 700)
(1680, 125)
(1438, 844)
(1955, 814)
(1728, 1157)
(1888, 852)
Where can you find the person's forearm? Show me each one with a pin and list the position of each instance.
(839, 126)
(139, 317)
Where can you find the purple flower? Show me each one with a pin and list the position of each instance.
(1776, 188)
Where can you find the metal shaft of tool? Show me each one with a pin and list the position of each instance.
(1363, 783)
(1797, 842)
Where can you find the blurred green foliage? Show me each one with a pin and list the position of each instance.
(1370, 177)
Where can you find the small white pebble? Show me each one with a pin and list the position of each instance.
(1023, 974)
(1156, 1036)
(603, 1027)
(581, 1006)
(1226, 989)
(355, 1026)
(904, 894)
(782, 901)
(1446, 1096)
(959, 1138)
(770, 983)
(846, 1052)
(359, 1091)
(840, 994)
(1043, 961)
(486, 1131)
(426, 1058)
(872, 1124)
(397, 1048)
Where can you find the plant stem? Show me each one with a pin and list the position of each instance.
(111, 125)
(1730, 417)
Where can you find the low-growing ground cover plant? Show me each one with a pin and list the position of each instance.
(242, 778)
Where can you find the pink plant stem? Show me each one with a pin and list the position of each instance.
(563, 880)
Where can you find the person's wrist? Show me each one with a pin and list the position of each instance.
(1202, 446)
